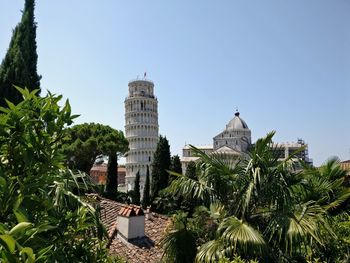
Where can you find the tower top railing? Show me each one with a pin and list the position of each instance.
(141, 79)
(140, 96)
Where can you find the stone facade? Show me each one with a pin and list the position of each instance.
(235, 139)
(141, 130)
(98, 174)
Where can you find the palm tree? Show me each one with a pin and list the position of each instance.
(266, 217)
(180, 242)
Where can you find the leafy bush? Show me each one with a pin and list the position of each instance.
(42, 219)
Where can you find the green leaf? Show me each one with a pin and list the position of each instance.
(20, 228)
(3, 228)
(29, 253)
(8, 242)
(44, 251)
(3, 182)
(20, 216)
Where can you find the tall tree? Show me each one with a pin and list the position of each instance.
(19, 67)
(111, 187)
(176, 164)
(146, 200)
(161, 163)
(191, 170)
(137, 197)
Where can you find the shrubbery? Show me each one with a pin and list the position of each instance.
(42, 219)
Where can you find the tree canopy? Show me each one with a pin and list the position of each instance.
(260, 207)
(161, 163)
(83, 142)
(19, 67)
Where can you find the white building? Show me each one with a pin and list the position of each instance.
(235, 139)
(141, 130)
(299, 150)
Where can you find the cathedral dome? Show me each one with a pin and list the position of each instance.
(236, 123)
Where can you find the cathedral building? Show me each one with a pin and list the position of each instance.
(235, 139)
(141, 130)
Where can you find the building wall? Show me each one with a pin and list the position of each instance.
(141, 130)
(236, 139)
(98, 174)
(345, 165)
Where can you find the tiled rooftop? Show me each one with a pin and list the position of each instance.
(141, 250)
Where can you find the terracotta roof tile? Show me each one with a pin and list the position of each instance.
(144, 249)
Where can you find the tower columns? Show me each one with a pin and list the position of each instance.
(141, 129)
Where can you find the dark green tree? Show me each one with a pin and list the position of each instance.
(136, 194)
(19, 67)
(191, 170)
(84, 142)
(161, 163)
(111, 187)
(176, 164)
(146, 200)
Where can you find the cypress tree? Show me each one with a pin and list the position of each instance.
(146, 200)
(175, 167)
(137, 196)
(19, 67)
(176, 164)
(191, 170)
(111, 187)
(161, 163)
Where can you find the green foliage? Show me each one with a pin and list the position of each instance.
(136, 195)
(146, 200)
(85, 141)
(191, 170)
(260, 207)
(111, 187)
(175, 165)
(19, 67)
(179, 244)
(161, 163)
(42, 219)
(237, 259)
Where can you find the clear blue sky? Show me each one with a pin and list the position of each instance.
(284, 64)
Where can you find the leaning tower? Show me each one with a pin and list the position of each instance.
(141, 130)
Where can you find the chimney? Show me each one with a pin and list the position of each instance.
(148, 213)
(131, 222)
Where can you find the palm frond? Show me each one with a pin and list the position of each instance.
(211, 251)
(241, 236)
(179, 243)
(190, 188)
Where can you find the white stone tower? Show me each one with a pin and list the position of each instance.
(141, 130)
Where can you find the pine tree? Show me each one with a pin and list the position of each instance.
(161, 163)
(137, 197)
(19, 67)
(111, 187)
(146, 200)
